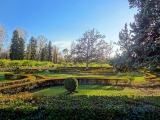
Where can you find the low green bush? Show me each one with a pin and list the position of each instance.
(71, 84)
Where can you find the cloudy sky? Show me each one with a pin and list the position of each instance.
(64, 21)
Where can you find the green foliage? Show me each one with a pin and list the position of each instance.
(71, 84)
(26, 63)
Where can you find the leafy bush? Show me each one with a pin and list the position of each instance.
(71, 84)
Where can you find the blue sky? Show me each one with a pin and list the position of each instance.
(64, 21)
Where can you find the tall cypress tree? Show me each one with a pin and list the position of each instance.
(14, 49)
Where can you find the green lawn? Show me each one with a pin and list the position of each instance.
(100, 90)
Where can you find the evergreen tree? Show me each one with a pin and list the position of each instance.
(45, 53)
(146, 33)
(14, 49)
(33, 44)
(124, 60)
(50, 51)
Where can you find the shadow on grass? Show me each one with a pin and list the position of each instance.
(103, 87)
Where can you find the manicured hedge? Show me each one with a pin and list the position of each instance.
(33, 84)
(11, 88)
(81, 108)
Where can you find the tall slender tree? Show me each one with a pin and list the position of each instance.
(45, 53)
(33, 44)
(50, 51)
(21, 49)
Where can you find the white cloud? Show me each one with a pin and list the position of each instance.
(62, 44)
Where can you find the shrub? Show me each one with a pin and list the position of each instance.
(71, 84)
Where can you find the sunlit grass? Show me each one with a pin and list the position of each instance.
(100, 90)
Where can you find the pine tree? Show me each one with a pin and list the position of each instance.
(125, 44)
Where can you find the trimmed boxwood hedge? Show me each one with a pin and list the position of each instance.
(81, 108)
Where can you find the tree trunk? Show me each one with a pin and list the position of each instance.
(87, 64)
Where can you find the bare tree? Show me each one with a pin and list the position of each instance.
(65, 53)
(41, 41)
(109, 50)
(3, 36)
(55, 53)
(88, 47)
(22, 33)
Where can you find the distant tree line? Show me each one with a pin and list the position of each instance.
(91, 47)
